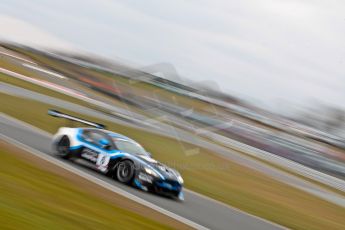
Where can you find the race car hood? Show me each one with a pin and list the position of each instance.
(167, 172)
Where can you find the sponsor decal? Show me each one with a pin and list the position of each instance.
(89, 154)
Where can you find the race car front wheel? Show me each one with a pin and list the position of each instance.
(62, 147)
(125, 171)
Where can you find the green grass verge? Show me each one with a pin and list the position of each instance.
(209, 174)
(33, 198)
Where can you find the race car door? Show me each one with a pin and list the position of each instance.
(97, 145)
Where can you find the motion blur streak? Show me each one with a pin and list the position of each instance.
(287, 169)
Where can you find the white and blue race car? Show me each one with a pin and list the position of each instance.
(117, 156)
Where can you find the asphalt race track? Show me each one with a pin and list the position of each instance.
(196, 208)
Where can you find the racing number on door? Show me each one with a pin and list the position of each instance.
(103, 160)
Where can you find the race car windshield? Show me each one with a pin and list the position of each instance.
(130, 147)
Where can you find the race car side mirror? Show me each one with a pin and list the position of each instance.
(104, 144)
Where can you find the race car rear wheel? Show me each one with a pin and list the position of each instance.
(125, 171)
(62, 147)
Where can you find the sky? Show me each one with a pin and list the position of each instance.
(275, 53)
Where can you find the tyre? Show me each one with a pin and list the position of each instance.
(125, 171)
(62, 147)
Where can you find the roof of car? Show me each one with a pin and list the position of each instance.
(119, 136)
(113, 134)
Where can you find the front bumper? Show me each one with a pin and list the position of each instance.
(170, 188)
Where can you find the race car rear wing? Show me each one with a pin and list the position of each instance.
(58, 114)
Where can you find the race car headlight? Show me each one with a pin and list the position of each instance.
(150, 172)
(180, 179)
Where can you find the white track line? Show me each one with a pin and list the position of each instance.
(101, 183)
(19, 58)
(46, 84)
(44, 71)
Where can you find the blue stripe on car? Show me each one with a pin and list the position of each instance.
(75, 147)
(137, 183)
(166, 185)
